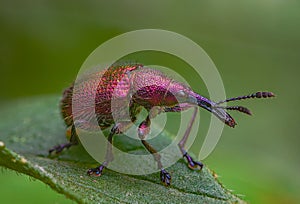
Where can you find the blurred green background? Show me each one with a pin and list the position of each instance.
(254, 44)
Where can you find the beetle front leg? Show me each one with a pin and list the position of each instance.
(143, 131)
(192, 164)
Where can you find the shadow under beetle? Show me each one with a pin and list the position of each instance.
(147, 88)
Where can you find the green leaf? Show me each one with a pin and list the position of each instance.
(29, 127)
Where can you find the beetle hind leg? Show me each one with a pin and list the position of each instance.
(73, 141)
(108, 156)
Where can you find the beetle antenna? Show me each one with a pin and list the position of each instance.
(237, 108)
(254, 95)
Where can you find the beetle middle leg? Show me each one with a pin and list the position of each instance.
(143, 131)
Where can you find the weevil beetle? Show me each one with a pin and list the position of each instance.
(147, 88)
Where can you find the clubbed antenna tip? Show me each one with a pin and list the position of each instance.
(242, 109)
(254, 95)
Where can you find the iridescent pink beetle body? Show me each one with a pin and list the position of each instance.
(147, 88)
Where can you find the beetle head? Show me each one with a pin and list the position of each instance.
(220, 111)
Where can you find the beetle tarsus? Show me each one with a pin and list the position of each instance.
(165, 177)
(59, 148)
(192, 164)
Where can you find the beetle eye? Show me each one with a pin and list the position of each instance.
(181, 93)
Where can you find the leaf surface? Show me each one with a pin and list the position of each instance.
(29, 127)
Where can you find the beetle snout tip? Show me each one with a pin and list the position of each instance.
(231, 123)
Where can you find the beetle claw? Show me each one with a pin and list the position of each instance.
(95, 171)
(192, 164)
(165, 177)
